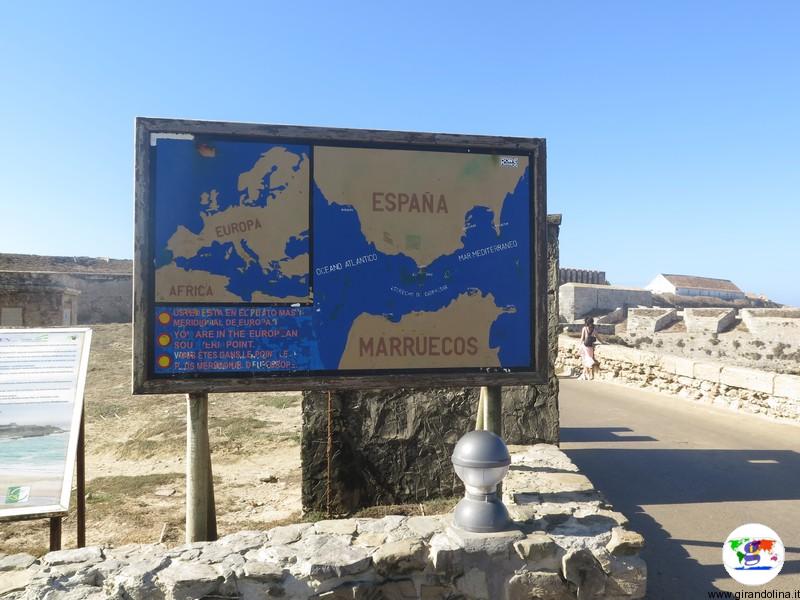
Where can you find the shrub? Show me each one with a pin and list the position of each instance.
(778, 350)
(680, 344)
(737, 344)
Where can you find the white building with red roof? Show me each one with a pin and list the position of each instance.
(689, 285)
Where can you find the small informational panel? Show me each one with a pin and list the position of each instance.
(274, 257)
(42, 377)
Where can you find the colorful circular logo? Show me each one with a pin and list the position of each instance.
(164, 361)
(753, 554)
(164, 318)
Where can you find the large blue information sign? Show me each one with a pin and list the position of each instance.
(302, 258)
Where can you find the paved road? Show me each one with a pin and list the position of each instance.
(686, 475)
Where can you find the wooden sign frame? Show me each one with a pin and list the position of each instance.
(145, 381)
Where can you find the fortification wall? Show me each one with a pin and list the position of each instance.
(105, 297)
(582, 276)
(576, 300)
(773, 324)
(63, 264)
(747, 390)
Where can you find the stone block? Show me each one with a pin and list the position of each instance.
(425, 527)
(187, 580)
(582, 569)
(538, 585)
(14, 562)
(624, 542)
(370, 539)
(707, 371)
(327, 557)
(15, 581)
(540, 551)
(261, 571)
(474, 584)
(749, 379)
(684, 367)
(491, 544)
(627, 578)
(288, 533)
(136, 580)
(400, 557)
(787, 386)
(446, 556)
(90, 555)
(336, 526)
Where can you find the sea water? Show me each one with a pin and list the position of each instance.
(35, 455)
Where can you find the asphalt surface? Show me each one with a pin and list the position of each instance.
(686, 475)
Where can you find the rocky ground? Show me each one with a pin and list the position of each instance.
(736, 346)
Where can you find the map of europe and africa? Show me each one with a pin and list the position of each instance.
(274, 257)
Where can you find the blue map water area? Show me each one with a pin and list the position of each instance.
(297, 245)
(182, 174)
(372, 287)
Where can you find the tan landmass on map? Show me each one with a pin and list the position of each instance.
(264, 230)
(173, 284)
(295, 266)
(455, 336)
(398, 194)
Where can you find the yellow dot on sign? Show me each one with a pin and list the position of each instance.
(164, 339)
(163, 361)
(164, 318)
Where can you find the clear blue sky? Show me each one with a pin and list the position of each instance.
(672, 127)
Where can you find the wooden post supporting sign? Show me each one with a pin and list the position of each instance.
(200, 511)
(491, 404)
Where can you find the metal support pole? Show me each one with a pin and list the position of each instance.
(198, 469)
(492, 401)
(55, 533)
(81, 486)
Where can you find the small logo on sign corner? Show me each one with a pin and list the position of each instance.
(509, 161)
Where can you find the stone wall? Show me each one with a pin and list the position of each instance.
(63, 264)
(394, 446)
(565, 543)
(649, 320)
(738, 388)
(576, 300)
(42, 306)
(105, 297)
(708, 320)
(773, 324)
